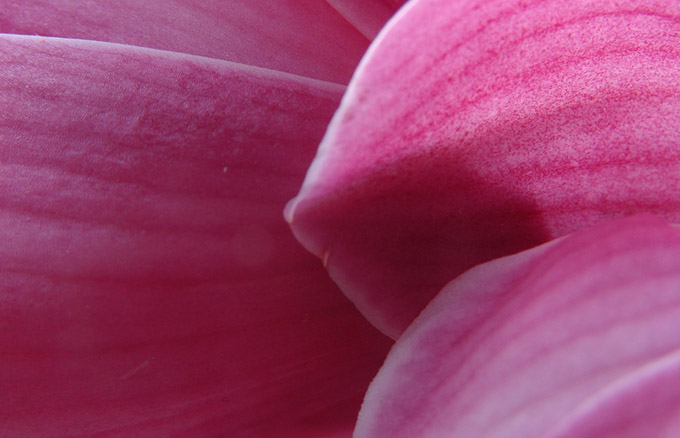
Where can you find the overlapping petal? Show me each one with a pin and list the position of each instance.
(149, 284)
(367, 16)
(476, 129)
(577, 337)
(304, 37)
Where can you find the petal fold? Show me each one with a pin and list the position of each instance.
(565, 339)
(476, 129)
(303, 37)
(367, 16)
(148, 283)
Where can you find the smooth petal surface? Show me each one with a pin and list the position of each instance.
(476, 129)
(526, 343)
(645, 403)
(149, 285)
(304, 37)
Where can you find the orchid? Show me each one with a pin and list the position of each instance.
(469, 196)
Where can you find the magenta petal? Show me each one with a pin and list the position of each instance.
(148, 283)
(395, 4)
(368, 16)
(304, 37)
(524, 345)
(477, 129)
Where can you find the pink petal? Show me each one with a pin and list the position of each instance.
(368, 16)
(150, 286)
(477, 129)
(395, 4)
(304, 37)
(514, 347)
(645, 403)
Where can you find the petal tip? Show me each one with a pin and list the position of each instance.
(289, 210)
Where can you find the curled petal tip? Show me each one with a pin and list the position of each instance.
(289, 210)
(472, 132)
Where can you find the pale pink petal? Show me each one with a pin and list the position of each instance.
(368, 16)
(304, 37)
(149, 285)
(513, 347)
(475, 129)
(643, 404)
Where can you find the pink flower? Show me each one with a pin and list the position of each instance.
(149, 285)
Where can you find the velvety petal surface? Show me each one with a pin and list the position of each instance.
(149, 285)
(304, 37)
(526, 343)
(475, 129)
